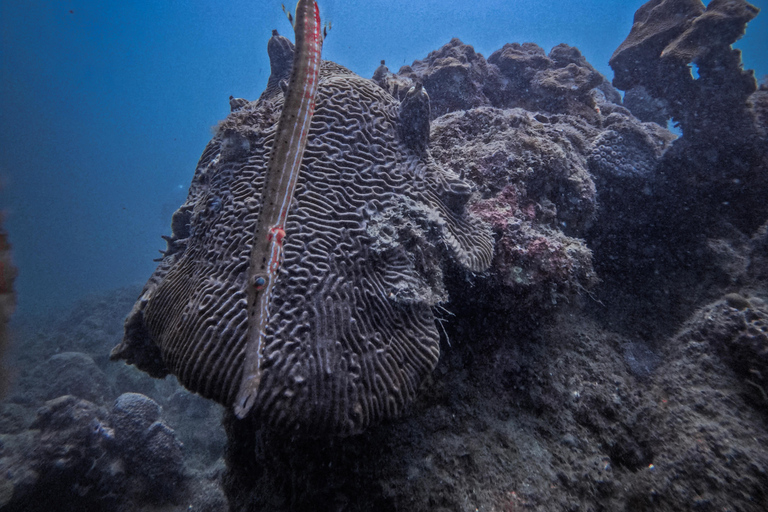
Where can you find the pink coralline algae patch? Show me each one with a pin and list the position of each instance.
(536, 261)
(501, 209)
(550, 261)
(535, 193)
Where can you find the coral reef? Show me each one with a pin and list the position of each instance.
(705, 185)
(538, 407)
(723, 144)
(148, 443)
(562, 420)
(533, 405)
(667, 36)
(534, 185)
(80, 455)
(614, 356)
(72, 438)
(645, 107)
(458, 78)
(709, 427)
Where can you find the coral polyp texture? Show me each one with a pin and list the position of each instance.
(351, 333)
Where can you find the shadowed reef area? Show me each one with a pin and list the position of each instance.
(609, 353)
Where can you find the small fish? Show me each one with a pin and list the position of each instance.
(279, 185)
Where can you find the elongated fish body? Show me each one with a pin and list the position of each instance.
(279, 184)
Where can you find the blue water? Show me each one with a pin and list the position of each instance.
(105, 107)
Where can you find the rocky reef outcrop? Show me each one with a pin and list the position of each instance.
(79, 454)
(75, 434)
(612, 357)
(517, 75)
(535, 191)
(707, 185)
(669, 36)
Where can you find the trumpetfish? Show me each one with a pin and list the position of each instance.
(279, 185)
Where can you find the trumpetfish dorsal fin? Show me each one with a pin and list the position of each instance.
(290, 16)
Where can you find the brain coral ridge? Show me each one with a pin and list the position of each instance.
(351, 332)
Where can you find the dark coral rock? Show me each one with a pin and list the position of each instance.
(544, 156)
(722, 23)
(667, 36)
(68, 468)
(758, 265)
(458, 78)
(563, 56)
(655, 25)
(645, 107)
(738, 329)
(709, 423)
(558, 412)
(570, 80)
(280, 50)
(567, 89)
(714, 175)
(414, 118)
(80, 457)
(455, 76)
(758, 105)
(397, 85)
(519, 63)
(533, 179)
(236, 104)
(162, 459)
(561, 82)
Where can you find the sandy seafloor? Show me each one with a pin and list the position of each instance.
(624, 368)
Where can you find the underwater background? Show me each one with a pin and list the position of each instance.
(106, 107)
(613, 355)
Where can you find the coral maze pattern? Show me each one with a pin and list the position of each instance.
(351, 332)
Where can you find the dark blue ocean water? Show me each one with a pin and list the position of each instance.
(105, 107)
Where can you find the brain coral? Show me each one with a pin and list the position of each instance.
(627, 150)
(351, 332)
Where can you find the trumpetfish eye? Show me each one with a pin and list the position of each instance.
(259, 283)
